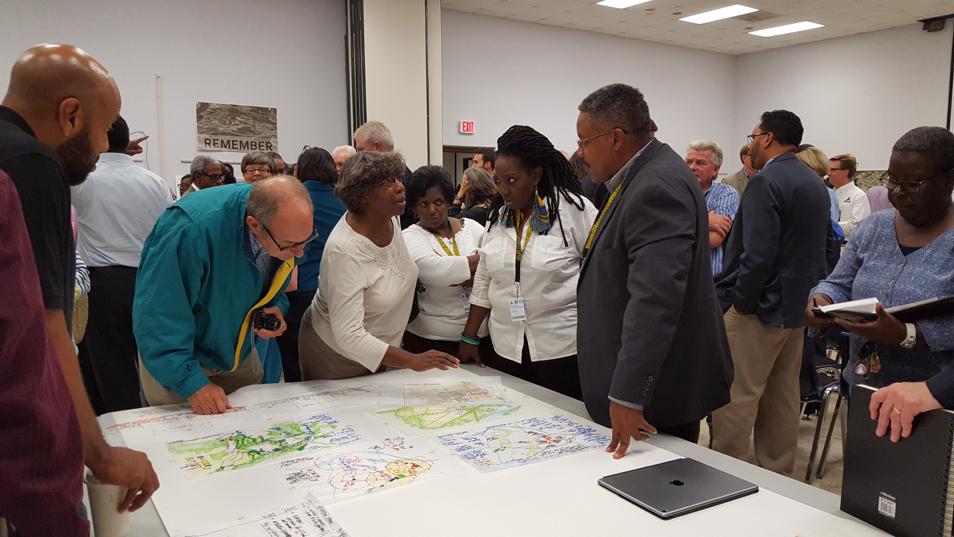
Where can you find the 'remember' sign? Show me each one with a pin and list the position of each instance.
(234, 127)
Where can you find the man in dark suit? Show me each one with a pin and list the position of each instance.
(652, 349)
(775, 254)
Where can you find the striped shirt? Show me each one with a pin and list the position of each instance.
(724, 200)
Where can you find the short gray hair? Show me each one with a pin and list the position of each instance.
(375, 131)
(258, 157)
(346, 148)
(268, 196)
(619, 106)
(705, 145)
(200, 162)
(363, 173)
(937, 143)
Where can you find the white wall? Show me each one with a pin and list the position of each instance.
(288, 54)
(500, 72)
(855, 94)
(396, 73)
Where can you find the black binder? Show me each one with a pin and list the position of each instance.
(903, 488)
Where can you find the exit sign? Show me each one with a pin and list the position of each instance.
(467, 127)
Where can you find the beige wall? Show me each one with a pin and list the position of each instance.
(396, 56)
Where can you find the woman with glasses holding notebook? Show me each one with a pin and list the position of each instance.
(365, 294)
(900, 256)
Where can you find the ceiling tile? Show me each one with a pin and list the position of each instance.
(505, 8)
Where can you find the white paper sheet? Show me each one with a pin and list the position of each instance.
(432, 394)
(306, 519)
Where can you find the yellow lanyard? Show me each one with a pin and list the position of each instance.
(444, 246)
(596, 225)
(525, 242)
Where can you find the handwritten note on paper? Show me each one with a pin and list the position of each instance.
(306, 519)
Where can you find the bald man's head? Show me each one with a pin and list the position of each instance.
(281, 216)
(69, 100)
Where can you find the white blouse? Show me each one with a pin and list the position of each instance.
(442, 315)
(365, 294)
(549, 271)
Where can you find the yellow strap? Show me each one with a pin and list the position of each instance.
(526, 241)
(444, 246)
(596, 225)
(281, 275)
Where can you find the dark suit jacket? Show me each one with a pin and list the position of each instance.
(650, 330)
(775, 252)
(595, 192)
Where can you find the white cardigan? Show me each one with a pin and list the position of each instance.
(442, 315)
(365, 294)
(549, 271)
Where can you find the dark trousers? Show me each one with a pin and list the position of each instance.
(113, 354)
(416, 344)
(560, 375)
(288, 342)
(688, 432)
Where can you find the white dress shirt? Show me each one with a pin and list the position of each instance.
(854, 207)
(442, 316)
(549, 271)
(364, 294)
(116, 209)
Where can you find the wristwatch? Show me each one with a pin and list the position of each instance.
(912, 336)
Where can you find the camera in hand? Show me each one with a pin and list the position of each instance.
(265, 321)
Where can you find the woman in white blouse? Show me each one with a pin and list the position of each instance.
(367, 278)
(530, 263)
(445, 251)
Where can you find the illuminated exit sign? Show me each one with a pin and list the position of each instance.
(467, 127)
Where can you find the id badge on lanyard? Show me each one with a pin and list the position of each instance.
(517, 311)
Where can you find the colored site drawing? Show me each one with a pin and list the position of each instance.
(442, 417)
(390, 463)
(162, 423)
(222, 452)
(320, 400)
(442, 394)
(518, 443)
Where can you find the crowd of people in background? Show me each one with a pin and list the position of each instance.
(625, 274)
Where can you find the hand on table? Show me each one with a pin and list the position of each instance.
(886, 329)
(432, 360)
(134, 148)
(209, 399)
(627, 423)
(470, 352)
(127, 468)
(268, 334)
(896, 405)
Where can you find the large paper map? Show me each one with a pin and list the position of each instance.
(517, 443)
(386, 464)
(442, 417)
(478, 392)
(199, 457)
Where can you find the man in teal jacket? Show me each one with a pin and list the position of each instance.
(211, 261)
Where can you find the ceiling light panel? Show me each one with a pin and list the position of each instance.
(719, 14)
(621, 4)
(787, 29)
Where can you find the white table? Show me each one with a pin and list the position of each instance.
(561, 497)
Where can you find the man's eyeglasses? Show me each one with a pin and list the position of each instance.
(751, 138)
(260, 171)
(908, 186)
(314, 235)
(213, 176)
(580, 143)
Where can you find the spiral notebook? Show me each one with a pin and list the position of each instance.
(904, 488)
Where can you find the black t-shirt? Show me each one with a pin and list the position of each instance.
(44, 191)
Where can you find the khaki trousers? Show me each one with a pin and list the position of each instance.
(319, 361)
(765, 393)
(249, 372)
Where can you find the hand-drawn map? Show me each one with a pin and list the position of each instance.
(389, 463)
(199, 457)
(442, 394)
(518, 443)
(409, 419)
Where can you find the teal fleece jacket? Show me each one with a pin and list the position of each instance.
(194, 287)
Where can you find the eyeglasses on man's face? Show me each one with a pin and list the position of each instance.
(314, 235)
(213, 176)
(581, 143)
(751, 138)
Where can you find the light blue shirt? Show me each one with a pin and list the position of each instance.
(724, 200)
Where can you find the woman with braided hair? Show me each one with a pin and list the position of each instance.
(529, 265)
